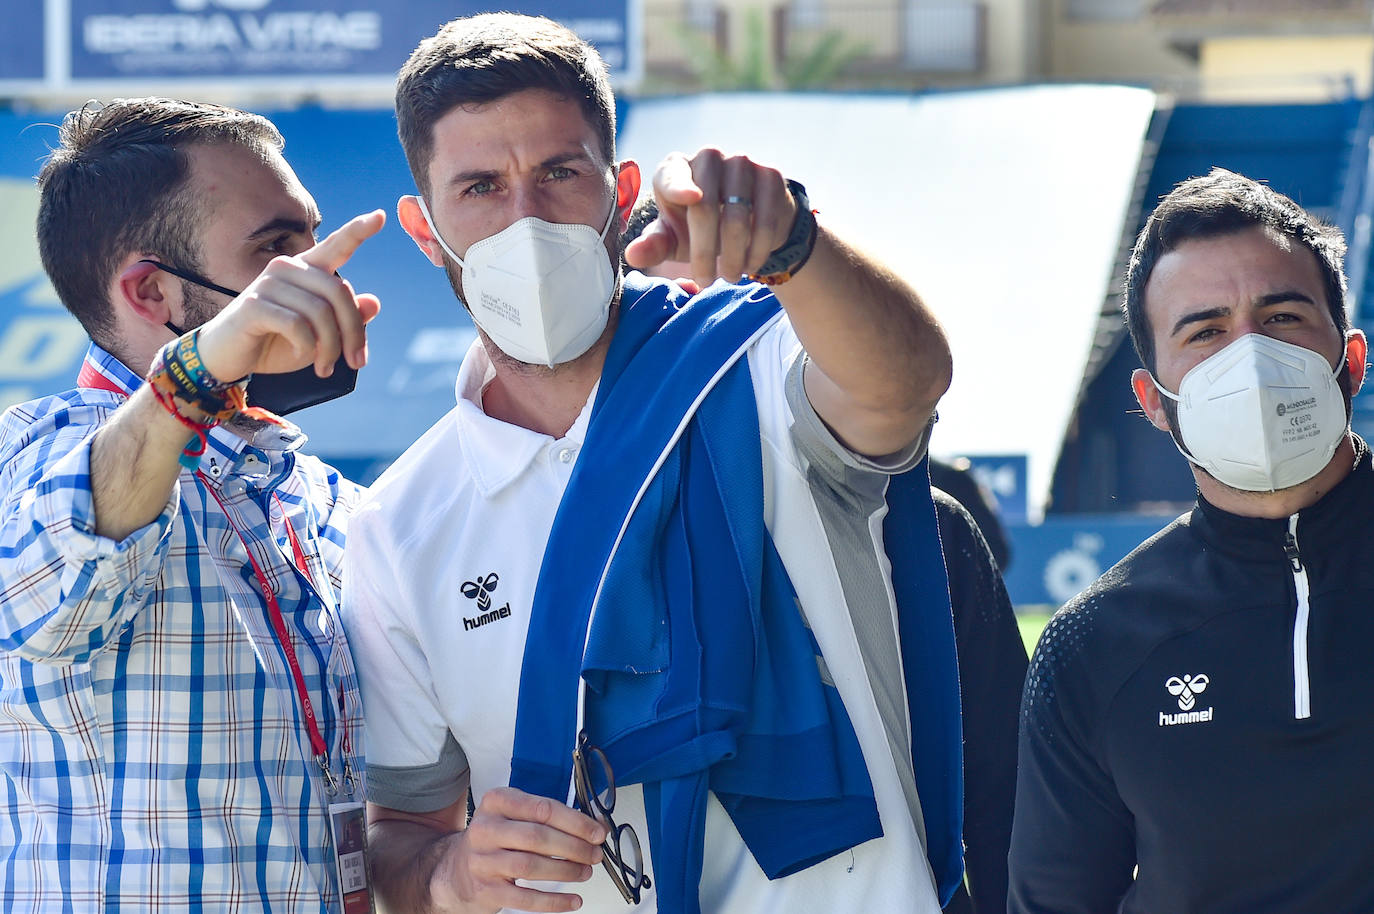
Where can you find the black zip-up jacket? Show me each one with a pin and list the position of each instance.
(992, 667)
(1205, 712)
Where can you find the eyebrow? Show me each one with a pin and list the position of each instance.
(1264, 301)
(1194, 317)
(487, 174)
(1279, 298)
(285, 224)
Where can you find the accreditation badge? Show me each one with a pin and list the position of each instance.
(348, 827)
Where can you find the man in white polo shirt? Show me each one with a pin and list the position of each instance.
(702, 608)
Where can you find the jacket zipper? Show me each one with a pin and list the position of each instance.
(1302, 690)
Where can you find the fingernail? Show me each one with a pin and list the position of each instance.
(360, 356)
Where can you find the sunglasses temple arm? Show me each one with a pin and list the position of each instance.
(613, 870)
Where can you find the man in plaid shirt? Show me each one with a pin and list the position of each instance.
(179, 718)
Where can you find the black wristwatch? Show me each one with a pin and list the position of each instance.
(784, 263)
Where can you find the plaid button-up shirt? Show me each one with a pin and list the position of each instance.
(153, 749)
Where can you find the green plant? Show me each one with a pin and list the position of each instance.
(817, 67)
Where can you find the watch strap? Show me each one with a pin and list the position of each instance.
(792, 255)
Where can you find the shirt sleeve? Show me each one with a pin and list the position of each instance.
(1072, 846)
(65, 591)
(778, 363)
(413, 762)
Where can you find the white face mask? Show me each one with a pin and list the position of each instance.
(541, 291)
(1261, 414)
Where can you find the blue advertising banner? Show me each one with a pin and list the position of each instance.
(21, 40)
(1054, 560)
(41, 345)
(211, 39)
(1005, 477)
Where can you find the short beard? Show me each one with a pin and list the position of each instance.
(247, 427)
(197, 307)
(514, 366)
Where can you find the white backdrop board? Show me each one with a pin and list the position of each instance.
(1004, 207)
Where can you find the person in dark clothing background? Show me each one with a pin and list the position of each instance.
(955, 477)
(992, 668)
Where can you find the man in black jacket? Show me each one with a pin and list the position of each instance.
(1197, 729)
(992, 666)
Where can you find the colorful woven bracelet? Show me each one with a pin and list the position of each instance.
(181, 358)
(192, 384)
(195, 447)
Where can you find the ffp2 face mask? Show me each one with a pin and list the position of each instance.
(540, 290)
(1261, 414)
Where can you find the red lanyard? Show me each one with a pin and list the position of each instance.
(296, 549)
(317, 743)
(304, 568)
(90, 376)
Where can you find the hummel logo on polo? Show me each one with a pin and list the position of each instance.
(1186, 690)
(481, 590)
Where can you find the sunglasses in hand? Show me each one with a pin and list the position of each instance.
(621, 854)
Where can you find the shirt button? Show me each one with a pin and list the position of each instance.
(566, 455)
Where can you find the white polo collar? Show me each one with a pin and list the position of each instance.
(498, 453)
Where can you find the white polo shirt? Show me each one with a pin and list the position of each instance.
(440, 571)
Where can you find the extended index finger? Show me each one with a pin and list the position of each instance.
(674, 184)
(333, 252)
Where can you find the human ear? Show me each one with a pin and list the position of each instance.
(1356, 356)
(146, 291)
(413, 221)
(1147, 395)
(627, 183)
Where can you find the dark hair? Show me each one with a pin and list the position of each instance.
(116, 184)
(480, 59)
(1222, 203)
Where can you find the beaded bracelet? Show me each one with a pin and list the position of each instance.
(177, 373)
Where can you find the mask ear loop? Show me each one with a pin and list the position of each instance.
(610, 217)
(433, 230)
(1160, 387)
(1177, 435)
